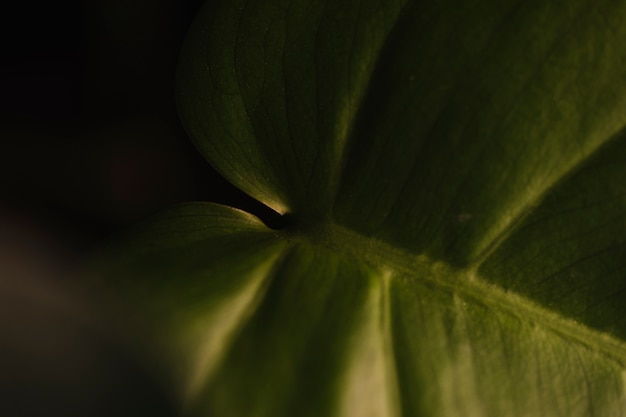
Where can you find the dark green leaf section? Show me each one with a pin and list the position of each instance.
(570, 253)
(475, 112)
(459, 117)
(269, 90)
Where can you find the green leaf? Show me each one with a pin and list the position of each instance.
(455, 177)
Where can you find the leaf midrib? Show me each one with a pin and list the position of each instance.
(397, 263)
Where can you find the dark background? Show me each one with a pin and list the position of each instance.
(90, 137)
(90, 142)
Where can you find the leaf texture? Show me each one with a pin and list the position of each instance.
(455, 174)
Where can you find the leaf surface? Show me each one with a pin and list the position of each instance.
(455, 174)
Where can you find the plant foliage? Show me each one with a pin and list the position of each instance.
(455, 179)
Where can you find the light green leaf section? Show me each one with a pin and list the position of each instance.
(463, 357)
(255, 323)
(242, 313)
(316, 340)
(455, 174)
